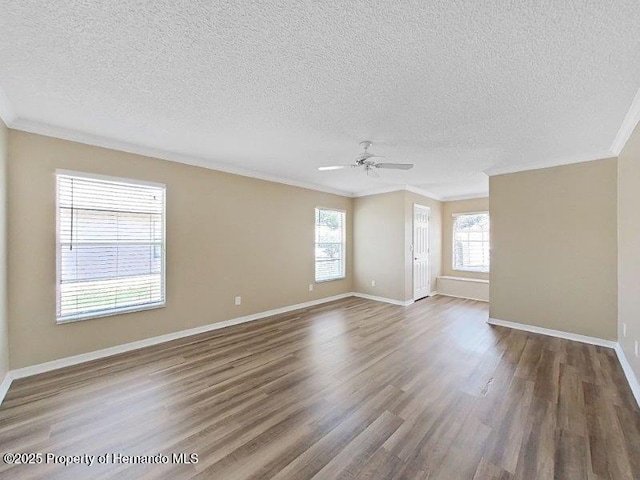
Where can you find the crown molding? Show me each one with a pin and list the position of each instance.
(424, 193)
(8, 116)
(397, 188)
(7, 113)
(556, 162)
(104, 142)
(11, 120)
(379, 191)
(466, 196)
(629, 123)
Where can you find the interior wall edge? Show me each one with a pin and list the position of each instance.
(4, 386)
(4, 299)
(634, 384)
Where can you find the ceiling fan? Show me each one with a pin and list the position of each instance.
(370, 166)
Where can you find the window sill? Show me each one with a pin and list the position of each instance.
(464, 279)
(108, 313)
(470, 270)
(331, 279)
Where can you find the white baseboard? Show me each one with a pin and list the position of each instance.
(553, 333)
(434, 293)
(107, 352)
(393, 301)
(466, 298)
(626, 367)
(628, 372)
(147, 342)
(127, 347)
(4, 386)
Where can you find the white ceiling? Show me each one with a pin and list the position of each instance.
(281, 87)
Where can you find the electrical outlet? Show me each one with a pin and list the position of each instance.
(238, 300)
(373, 283)
(624, 329)
(637, 353)
(311, 287)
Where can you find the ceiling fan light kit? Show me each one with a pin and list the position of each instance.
(364, 160)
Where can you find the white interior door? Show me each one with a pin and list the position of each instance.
(421, 287)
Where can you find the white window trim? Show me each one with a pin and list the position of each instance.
(479, 212)
(344, 245)
(109, 178)
(471, 270)
(112, 312)
(116, 311)
(453, 244)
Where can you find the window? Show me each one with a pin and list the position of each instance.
(110, 246)
(330, 244)
(471, 242)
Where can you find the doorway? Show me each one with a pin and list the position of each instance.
(421, 283)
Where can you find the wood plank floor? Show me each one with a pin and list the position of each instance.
(353, 389)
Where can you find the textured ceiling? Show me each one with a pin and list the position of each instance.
(281, 88)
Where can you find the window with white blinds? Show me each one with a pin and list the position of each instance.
(471, 242)
(330, 244)
(110, 246)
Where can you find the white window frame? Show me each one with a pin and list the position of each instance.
(343, 243)
(163, 276)
(454, 267)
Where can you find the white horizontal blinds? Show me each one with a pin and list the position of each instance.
(471, 242)
(110, 246)
(329, 244)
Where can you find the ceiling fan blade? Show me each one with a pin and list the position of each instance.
(396, 166)
(332, 167)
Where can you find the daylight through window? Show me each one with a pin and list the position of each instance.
(330, 244)
(471, 242)
(110, 246)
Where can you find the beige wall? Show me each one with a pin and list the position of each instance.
(378, 230)
(4, 329)
(383, 231)
(227, 235)
(629, 247)
(448, 209)
(554, 248)
(472, 288)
